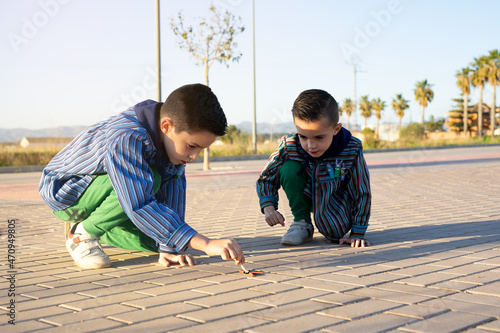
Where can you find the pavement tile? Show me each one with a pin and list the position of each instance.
(229, 286)
(274, 288)
(143, 303)
(240, 323)
(74, 317)
(92, 325)
(426, 279)
(50, 301)
(305, 323)
(452, 285)
(357, 281)
(491, 326)
(361, 309)
(225, 298)
(481, 278)
(339, 299)
(291, 310)
(492, 289)
(288, 297)
(25, 326)
(476, 298)
(454, 305)
(380, 323)
(222, 311)
(164, 280)
(137, 316)
(171, 288)
(330, 286)
(34, 314)
(388, 295)
(448, 322)
(418, 311)
(417, 290)
(93, 302)
(162, 324)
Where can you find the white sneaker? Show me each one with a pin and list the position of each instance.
(298, 233)
(86, 251)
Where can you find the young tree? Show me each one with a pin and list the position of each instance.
(209, 40)
(348, 107)
(399, 105)
(478, 79)
(463, 82)
(378, 105)
(366, 107)
(423, 95)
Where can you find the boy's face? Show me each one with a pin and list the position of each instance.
(316, 136)
(184, 147)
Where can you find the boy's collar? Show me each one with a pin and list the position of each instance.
(148, 114)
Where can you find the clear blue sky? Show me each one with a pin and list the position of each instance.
(75, 62)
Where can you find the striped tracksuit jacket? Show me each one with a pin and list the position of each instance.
(338, 185)
(125, 147)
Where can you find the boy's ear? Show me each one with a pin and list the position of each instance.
(337, 128)
(166, 125)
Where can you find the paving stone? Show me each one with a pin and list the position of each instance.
(480, 278)
(476, 298)
(418, 311)
(274, 288)
(137, 316)
(238, 323)
(447, 322)
(229, 286)
(91, 325)
(291, 310)
(380, 323)
(492, 289)
(89, 314)
(305, 323)
(143, 303)
(93, 302)
(388, 295)
(225, 298)
(222, 311)
(491, 326)
(289, 297)
(339, 299)
(25, 326)
(361, 282)
(171, 288)
(360, 309)
(409, 289)
(34, 314)
(454, 305)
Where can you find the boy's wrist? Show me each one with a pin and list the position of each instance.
(198, 242)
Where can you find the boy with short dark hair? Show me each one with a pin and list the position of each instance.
(122, 180)
(322, 170)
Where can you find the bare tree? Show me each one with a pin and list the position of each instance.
(209, 40)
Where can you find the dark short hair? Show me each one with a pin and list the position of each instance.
(313, 104)
(194, 108)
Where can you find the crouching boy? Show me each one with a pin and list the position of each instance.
(322, 170)
(122, 181)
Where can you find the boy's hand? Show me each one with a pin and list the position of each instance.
(182, 259)
(273, 217)
(228, 249)
(355, 242)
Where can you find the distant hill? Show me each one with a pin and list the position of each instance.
(16, 134)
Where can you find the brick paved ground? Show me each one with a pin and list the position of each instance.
(434, 265)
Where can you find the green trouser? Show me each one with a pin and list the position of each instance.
(294, 185)
(102, 216)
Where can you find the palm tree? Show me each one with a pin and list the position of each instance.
(348, 107)
(463, 83)
(493, 79)
(378, 105)
(366, 107)
(399, 104)
(478, 78)
(423, 95)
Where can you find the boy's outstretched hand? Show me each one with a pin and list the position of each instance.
(166, 259)
(227, 248)
(355, 242)
(273, 217)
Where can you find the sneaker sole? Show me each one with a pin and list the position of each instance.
(296, 243)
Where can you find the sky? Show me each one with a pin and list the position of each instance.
(75, 62)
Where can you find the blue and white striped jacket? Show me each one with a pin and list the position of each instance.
(341, 202)
(125, 147)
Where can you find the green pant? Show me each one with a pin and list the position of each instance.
(294, 185)
(102, 216)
